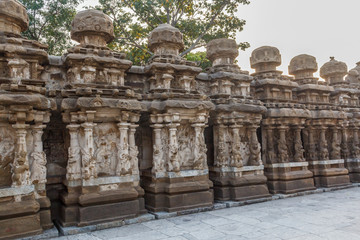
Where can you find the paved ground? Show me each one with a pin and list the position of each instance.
(330, 215)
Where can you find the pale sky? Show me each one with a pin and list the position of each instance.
(321, 28)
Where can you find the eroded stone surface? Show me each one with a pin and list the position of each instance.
(86, 138)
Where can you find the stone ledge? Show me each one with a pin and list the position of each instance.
(66, 231)
(15, 191)
(236, 169)
(323, 162)
(290, 164)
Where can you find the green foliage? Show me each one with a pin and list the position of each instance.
(200, 58)
(199, 20)
(50, 22)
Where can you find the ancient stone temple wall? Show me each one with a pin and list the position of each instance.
(87, 138)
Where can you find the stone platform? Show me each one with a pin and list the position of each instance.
(299, 211)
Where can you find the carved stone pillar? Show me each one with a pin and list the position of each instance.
(254, 147)
(124, 165)
(221, 156)
(200, 161)
(355, 145)
(133, 149)
(344, 143)
(335, 145)
(282, 145)
(38, 166)
(236, 158)
(299, 150)
(173, 164)
(20, 169)
(312, 155)
(74, 151)
(324, 153)
(158, 161)
(88, 161)
(271, 155)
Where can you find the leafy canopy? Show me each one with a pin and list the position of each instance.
(50, 22)
(199, 20)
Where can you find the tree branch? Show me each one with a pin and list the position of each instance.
(206, 30)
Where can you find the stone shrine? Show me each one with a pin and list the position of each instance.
(236, 167)
(88, 138)
(177, 114)
(283, 152)
(24, 113)
(101, 114)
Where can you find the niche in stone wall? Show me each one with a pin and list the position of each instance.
(106, 148)
(186, 142)
(209, 141)
(143, 139)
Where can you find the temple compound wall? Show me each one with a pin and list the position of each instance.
(87, 138)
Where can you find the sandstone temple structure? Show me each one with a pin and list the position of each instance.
(87, 138)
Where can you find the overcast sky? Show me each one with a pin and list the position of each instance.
(321, 28)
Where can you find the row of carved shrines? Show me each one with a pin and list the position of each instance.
(87, 138)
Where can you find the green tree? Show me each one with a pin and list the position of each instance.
(199, 20)
(50, 22)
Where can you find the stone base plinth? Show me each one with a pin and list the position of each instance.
(19, 219)
(353, 166)
(239, 184)
(45, 213)
(289, 178)
(329, 173)
(92, 204)
(172, 192)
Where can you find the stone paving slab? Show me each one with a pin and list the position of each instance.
(329, 215)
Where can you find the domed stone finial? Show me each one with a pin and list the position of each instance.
(354, 74)
(92, 27)
(222, 51)
(166, 40)
(13, 17)
(265, 59)
(303, 66)
(333, 71)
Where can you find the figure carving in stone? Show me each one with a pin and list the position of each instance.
(283, 152)
(158, 161)
(20, 170)
(6, 150)
(74, 166)
(236, 158)
(38, 167)
(173, 164)
(282, 146)
(103, 156)
(324, 153)
(221, 148)
(185, 142)
(355, 150)
(299, 150)
(88, 165)
(124, 162)
(255, 159)
(335, 149)
(134, 152)
(254, 154)
(200, 161)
